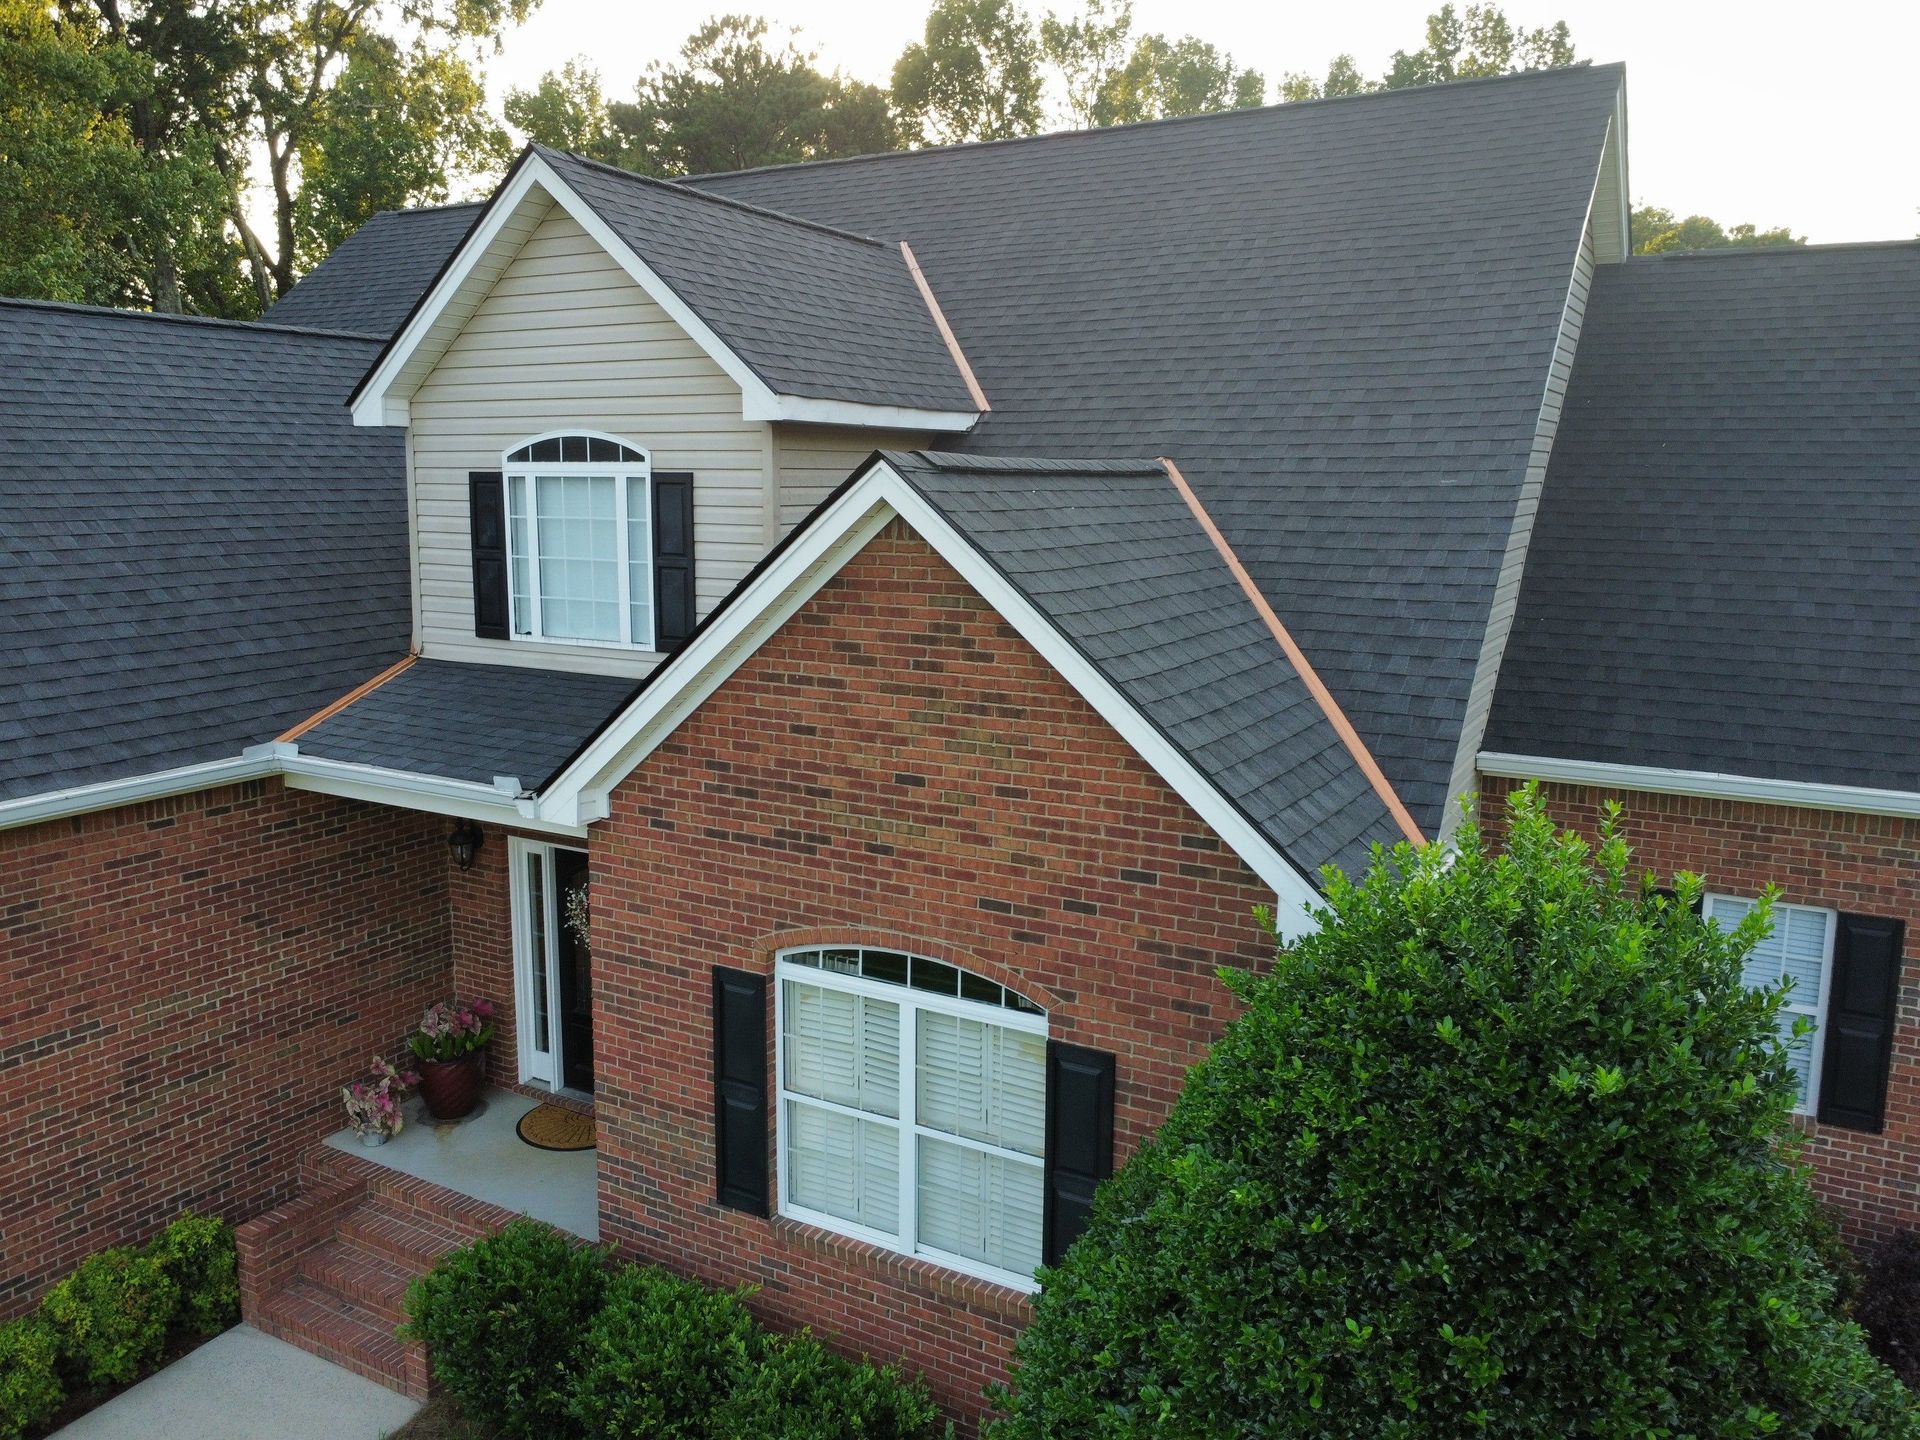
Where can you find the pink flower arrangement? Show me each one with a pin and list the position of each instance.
(373, 1103)
(452, 1030)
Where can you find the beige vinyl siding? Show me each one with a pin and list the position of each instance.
(1506, 591)
(812, 459)
(566, 340)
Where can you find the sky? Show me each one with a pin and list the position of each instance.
(1773, 113)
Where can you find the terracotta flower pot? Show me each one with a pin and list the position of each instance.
(450, 1087)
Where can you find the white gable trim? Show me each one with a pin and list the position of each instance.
(581, 793)
(383, 397)
(1707, 784)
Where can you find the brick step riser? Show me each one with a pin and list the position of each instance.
(377, 1284)
(338, 1330)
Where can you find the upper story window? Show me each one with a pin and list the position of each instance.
(913, 1107)
(1800, 949)
(580, 541)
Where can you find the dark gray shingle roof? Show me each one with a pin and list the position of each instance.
(1337, 316)
(197, 547)
(1725, 569)
(369, 284)
(813, 311)
(470, 722)
(1111, 555)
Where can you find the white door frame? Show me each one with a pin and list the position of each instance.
(535, 1066)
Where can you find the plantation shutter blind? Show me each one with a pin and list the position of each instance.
(843, 1049)
(673, 593)
(1862, 999)
(487, 526)
(1080, 1087)
(740, 1089)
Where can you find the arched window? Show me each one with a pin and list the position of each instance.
(580, 540)
(913, 1107)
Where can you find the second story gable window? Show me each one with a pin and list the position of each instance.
(580, 541)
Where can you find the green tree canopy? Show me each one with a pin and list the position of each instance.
(1459, 45)
(1503, 1149)
(1657, 230)
(1112, 77)
(975, 74)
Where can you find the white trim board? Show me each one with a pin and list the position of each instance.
(384, 395)
(1706, 784)
(580, 794)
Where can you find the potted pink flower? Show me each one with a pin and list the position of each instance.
(450, 1047)
(373, 1102)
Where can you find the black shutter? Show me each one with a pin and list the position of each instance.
(672, 559)
(1862, 996)
(740, 1089)
(1079, 1141)
(487, 509)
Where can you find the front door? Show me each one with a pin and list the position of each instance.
(553, 989)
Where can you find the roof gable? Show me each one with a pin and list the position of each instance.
(369, 282)
(812, 324)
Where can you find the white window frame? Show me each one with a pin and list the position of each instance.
(1816, 1012)
(911, 1003)
(534, 1069)
(623, 472)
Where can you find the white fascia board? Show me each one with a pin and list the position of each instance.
(111, 794)
(833, 537)
(378, 404)
(406, 790)
(1706, 784)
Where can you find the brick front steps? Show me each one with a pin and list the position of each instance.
(328, 1270)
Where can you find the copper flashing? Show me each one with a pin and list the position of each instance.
(358, 692)
(946, 333)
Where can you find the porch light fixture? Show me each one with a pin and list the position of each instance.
(465, 842)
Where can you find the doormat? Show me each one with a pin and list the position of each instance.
(554, 1127)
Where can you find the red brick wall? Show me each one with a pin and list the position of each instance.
(895, 764)
(184, 985)
(1866, 864)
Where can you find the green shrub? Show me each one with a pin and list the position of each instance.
(197, 1253)
(661, 1354)
(505, 1321)
(801, 1390)
(30, 1389)
(1889, 1303)
(111, 1316)
(1503, 1149)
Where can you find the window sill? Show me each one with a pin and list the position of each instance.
(922, 1276)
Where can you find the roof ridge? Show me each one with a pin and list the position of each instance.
(1748, 252)
(429, 209)
(121, 313)
(978, 462)
(680, 188)
(1135, 125)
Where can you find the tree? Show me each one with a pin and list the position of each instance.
(1343, 78)
(1657, 230)
(1087, 51)
(975, 75)
(1110, 77)
(1482, 41)
(730, 102)
(1504, 1149)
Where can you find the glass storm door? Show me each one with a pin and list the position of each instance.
(553, 989)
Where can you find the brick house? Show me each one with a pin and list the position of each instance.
(927, 603)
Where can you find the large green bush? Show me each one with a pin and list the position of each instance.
(197, 1253)
(1501, 1150)
(30, 1389)
(801, 1390)
(505, 1323)
(112, 1316)
(661, 1354)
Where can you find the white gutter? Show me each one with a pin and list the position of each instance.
(110, 794)
(1707, 784)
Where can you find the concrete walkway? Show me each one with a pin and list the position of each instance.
(243, 1385)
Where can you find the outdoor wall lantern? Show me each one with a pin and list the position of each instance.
(465, 842)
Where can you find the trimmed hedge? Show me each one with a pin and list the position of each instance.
(112, 1316)
(535, 1336)
(1503, 1149)
(198, 1254)
(30, 1390)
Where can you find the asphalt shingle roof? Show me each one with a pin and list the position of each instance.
(200, 549)
(1337, 317)
(370, 283)
(1111, 555)
(470, 722)
(813, 311)
(1724, 570)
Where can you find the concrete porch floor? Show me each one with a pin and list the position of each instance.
(481, 1156)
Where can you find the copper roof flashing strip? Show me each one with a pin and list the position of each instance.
(946, 333)
(359, 692)
(1303, 667)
